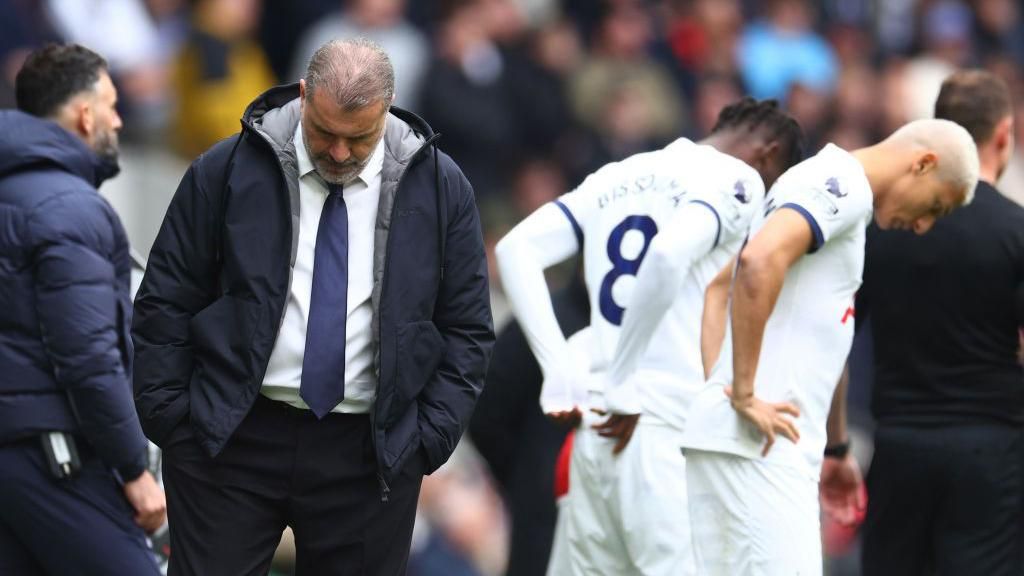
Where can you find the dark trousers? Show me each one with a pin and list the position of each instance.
(945, 501)
(283, 467)
(83, 525)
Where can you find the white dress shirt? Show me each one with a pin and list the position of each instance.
(284, 373)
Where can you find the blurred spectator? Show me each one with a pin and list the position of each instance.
(121, 30)
(124, 32)
(782, 49)
(811, 108)
(713, 93)
(220, 70)
(536, 183)
(538, 13)
(381, 21)
(895, 25)
(854, 117)
(703, 36)
(282, 23)
(999, 29)
(539, 67)
(519, 443)
(627, 100)
(894, 96)
(170, 17)
(468, 97)
(947, 27)
(855, 102)
(946, 36)
(466, 518)
(24, 25)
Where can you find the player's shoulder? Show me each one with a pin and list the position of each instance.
(831, 170)
(730, 179)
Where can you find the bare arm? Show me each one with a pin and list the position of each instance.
(836, 425)
(841, 484)
(716, 313)
(763, 264)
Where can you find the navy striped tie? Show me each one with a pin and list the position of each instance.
(323, 362)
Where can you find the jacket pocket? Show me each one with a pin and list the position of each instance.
(222, 336)
(419, 349)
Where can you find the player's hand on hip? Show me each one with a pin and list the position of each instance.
(769, 418)
(147, 499)
(571, 418)
(842, 492)
(618, 426)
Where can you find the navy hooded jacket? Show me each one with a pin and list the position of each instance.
(214, 295)
(65, 310)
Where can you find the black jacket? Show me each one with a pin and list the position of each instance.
(945, 309)
(65, 349)
(214, 294)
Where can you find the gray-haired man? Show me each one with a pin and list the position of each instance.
(313, 328)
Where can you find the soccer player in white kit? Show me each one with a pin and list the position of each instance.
(627, 515)
(754, 500)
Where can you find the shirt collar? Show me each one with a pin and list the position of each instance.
(376, 163)
(371, 170)
(301, 155)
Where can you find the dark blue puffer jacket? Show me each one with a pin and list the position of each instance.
(65, 311)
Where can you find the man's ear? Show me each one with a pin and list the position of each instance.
(85, 118)
(925, 163)
(1003, 134)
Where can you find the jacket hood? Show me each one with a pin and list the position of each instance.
(29, 142)
(271, 114)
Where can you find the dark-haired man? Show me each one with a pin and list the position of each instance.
(75, 495)
(627, 504)
(947, 478)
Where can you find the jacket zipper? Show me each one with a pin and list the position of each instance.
(384, 489)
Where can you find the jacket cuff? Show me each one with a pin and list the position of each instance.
(135, 468)
(434, 448)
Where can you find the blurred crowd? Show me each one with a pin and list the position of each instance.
(530, 96)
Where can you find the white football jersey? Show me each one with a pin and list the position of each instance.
(810, 331)
(616, 213)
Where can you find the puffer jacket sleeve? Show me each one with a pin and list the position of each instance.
(180, 281)
(77, 303)
(462, 315)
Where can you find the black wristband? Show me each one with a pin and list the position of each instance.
(839, 450)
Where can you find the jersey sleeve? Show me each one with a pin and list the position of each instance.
(542, 240)
(669, 259)
(582, 204)
(829, 205)
(732, 198)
